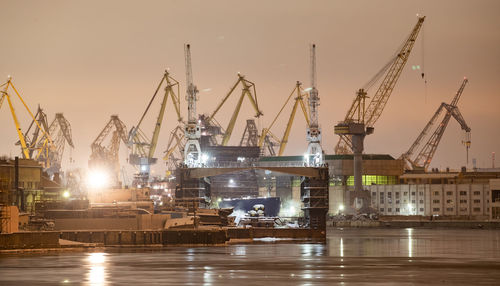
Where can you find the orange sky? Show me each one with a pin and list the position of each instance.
(91, 59)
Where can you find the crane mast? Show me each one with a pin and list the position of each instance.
(392, 71)
(314, 153)
(192, 151)
(424, 157)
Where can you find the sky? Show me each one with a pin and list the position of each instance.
(92, 59)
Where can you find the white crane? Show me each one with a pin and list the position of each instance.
(314, 153)
(192, 151)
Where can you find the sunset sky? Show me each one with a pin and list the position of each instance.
(92, 59)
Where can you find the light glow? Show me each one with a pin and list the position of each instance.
(66, 194)
(97, 179)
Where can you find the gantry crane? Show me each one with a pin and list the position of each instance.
(359, 121)
(143, 148)
(424, 157)
(314, 153)
(105, 158)
(267, 135)
(248, 90)
(38, 147)
(370, 115)
(192, 131)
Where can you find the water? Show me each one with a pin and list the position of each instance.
(350, 256)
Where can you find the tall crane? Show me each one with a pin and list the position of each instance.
(42, 144)
(359, 120)
(424, 157)
(104, 158)
(314, 153)
(143, 147)
(373, 111)
(248, 90)
(267, 138)
(192, 131)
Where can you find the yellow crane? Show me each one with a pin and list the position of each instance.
(143, 148)
(392, 70)
(248, 90)
(42, 144)
(300, 97)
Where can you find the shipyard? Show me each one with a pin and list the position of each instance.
(141, 147)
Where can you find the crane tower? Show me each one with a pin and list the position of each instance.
(192, 151)
(314, 153)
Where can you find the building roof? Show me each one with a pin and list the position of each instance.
(327, 158)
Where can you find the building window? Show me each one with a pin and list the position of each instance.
(397, 201)
(397, 210)
(381, 200)
(449, 201)
(449, 193)
(421, 201)
(389, 209)
(413, 193)
(435, 209)
(436, 193)
(463, 201)
(421, 209)
(463, 209)
(405, 193)
(374, 194)
(463, 193)
(420, 193)
(476, 210)
(477, 193)
(382, 209)
(397, 195)
(477, 201)
(435, 201)
(449, 209)
(389, 195)
(413, 201)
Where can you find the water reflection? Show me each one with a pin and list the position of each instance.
(97, 269)
(410, 241)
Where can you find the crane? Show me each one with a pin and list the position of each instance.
(373, 111)
(248, 90)
(175, 149)
(192, 132)
(60, 131)
(359, 120)
(104, 160)
(143, 148)
(42, 143)
(424, 157)
(267, 135)
(314, 153)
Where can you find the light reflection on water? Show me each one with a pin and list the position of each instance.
(97, 273)
(349, 255)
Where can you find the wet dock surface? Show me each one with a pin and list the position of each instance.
(350, 256)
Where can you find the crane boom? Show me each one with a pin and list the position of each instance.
(424, 157)
(392, 71)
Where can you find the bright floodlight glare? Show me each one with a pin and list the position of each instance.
(66, 194)
(231, 181)
(97, 179)
(292, 211)
(341, 207)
